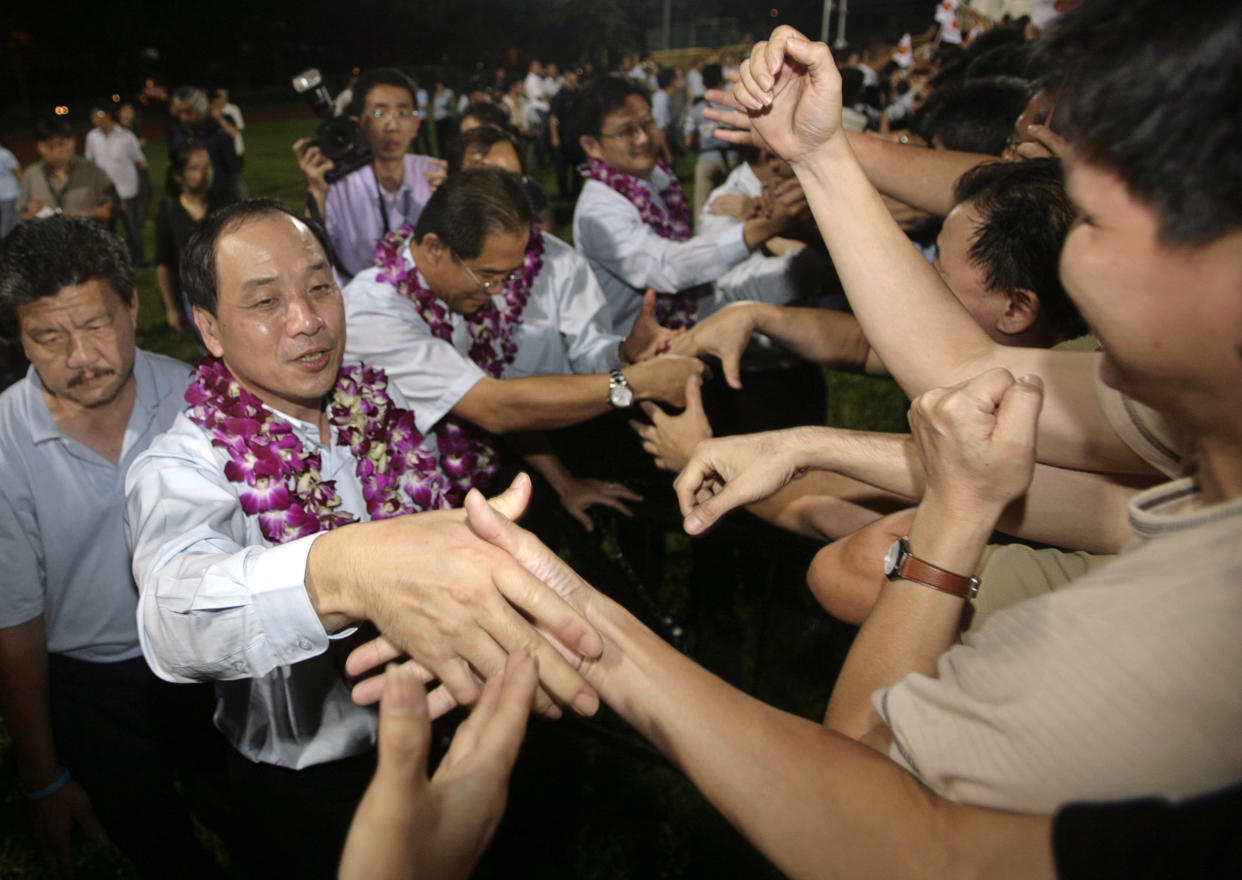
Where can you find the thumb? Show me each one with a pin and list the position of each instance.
(649, 304)
(1018, 411)
(694, 394)
(404, 730)
(512, 502)
(731, 362)
(703, 516)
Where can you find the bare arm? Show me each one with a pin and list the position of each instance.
(170, 290)
(27, 716)
(804, 795)
(920, 177)
(895, 294)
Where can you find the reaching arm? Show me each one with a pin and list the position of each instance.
(791, 90)
(804, 795)
(166, 278)
(27, 717)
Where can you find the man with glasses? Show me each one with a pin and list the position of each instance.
(379, 197)
(417, 315)
(632, 221)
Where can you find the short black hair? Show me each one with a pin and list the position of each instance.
(479, 141)
(489, 114)
(1151, 91)
(178, 158)
(1026, 215)
(976, 116)
(42, 257)
(198, 260)
(380, 76)
(473, 204)
(48, 127)
(665, 77)
(599, 98)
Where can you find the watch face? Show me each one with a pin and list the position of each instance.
(892, 559)
(620, 396)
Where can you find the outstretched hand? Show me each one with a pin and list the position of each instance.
(453, 603)
(54, 821)
(647, 338)
(725, 335)
(671, 439)
(579, 494)
(730, 472)
(408, 826)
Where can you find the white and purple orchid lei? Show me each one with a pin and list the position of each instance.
(674, 310)
(286, 489)
(465, 455)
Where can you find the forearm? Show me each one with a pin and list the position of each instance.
(534, 403)
(24, 703)
(824, 506)
(920, 177)
(166, 278)
(897, 297)
(833, 339)
(911, 626)
(104, 212)
(802, 794)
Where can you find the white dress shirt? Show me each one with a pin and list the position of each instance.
(628, 256)
(116, 154)
(794, 277)
(563, 330)
(218, 602)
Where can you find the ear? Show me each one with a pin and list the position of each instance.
(209, 330)
(591, 146)
(1020, 314)
(433, 246)
(132, 306)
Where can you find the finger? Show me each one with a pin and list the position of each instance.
(609, 501)
(748, 92)
(513, 501)
(620, 491)
(694, 395)
(1018, 413)
(722, 98)
(642, 429)
(649, 303)
(534, 598)
(92, 829)
(371, 655)
(652, 411)
(731, 363)
(404, 738)
(503, 732)
(580, 514)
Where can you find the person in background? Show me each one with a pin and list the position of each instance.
(116, 150)
(190, 198)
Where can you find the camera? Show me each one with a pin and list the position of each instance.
(338, 137)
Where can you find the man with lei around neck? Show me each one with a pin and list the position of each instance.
(84, 712)
(632, 220)
(270, 518)
(444, 312)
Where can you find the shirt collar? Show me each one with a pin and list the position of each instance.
(150, 389)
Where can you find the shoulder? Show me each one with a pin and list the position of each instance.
(183, 445)
(170, 375)
(14, 417)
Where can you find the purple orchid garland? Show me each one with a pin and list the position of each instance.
(287, 492)
(465, 456)
(674, 310)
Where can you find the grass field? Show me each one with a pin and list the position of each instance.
(589, 801)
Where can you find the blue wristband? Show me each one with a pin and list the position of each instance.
(49, 789)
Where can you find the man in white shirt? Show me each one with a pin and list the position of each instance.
(254, 571)
(115, 149)
(471, 249)
(632, 221)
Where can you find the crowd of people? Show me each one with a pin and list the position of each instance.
(214, 575)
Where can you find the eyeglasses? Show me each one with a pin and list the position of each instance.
(487, 286)
(403, 113)
(630, 131)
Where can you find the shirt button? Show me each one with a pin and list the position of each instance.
(304, 644)
(239, 666)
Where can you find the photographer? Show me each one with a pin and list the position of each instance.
(384, 194)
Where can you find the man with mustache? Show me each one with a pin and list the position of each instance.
(88, 719)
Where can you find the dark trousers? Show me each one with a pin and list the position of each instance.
(293, 823)
(122, 732)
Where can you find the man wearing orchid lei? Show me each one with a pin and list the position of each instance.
(632, 220)
(479, 319)
(84, 712)
(272, 517)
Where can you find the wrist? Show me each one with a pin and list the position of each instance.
(49, 787)
(330, 573)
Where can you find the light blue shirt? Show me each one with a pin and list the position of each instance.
(8, 183)
(62, 541)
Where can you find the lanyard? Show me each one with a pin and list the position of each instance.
(383, 209)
